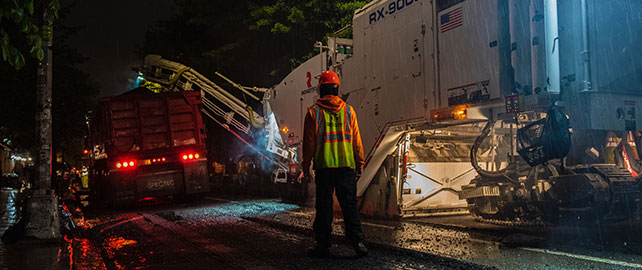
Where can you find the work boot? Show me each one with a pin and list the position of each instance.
(360, 249)
(319, 252)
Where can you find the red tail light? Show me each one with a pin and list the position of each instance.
(156, 160)
(190, 156)
(126, 164)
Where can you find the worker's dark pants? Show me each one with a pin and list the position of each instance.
(343, 181)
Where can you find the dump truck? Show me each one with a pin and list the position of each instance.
(147, 145)
(244, 112)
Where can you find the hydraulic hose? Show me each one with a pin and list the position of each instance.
(473, 156)
(171, 82)
(251, 117)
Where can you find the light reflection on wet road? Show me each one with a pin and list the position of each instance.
(266, 234)
(212, 234)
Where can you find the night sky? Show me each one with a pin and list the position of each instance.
(112, 31)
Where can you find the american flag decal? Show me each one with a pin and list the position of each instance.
(452, 20)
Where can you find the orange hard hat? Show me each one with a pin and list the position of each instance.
(329, 77)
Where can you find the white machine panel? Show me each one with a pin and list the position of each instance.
(390, 40)
(468, 53)
(387, 145)
(294, 95)
(434, 185)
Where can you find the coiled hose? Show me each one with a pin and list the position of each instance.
(473, 156)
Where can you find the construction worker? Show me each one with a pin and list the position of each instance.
(331, 138)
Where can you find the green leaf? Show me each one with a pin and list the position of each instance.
(15, 56)
(5, 52)
(262, 22)
(56, 7)
(25, 26)
(20, 61)
(30, 6)
(280, 28)
(40, 54)
(296, 15)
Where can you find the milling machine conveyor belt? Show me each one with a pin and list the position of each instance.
(220, 105)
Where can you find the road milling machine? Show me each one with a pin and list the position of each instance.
(510, 110)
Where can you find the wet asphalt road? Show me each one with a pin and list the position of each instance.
(214, 234)
(462, 238)
(267, 234)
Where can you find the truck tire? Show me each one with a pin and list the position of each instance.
(196, 197)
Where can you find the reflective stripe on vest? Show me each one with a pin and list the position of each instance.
(333, 138)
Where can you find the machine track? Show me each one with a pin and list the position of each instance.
(513, 223)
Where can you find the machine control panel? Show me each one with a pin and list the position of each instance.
(512, 104)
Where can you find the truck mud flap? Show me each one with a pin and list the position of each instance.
(196, 178)
(118, 191)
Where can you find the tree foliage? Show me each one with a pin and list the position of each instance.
(19, 22)
(301, 23)
(73, 94)
(255, 42)
(305, 17)
(214, 36)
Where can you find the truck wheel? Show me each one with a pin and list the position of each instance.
(108, 197)
(191, 197)
(100, 197)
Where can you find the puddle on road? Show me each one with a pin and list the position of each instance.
(116, 243)
(113, 246)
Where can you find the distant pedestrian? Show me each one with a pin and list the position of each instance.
(331, 138)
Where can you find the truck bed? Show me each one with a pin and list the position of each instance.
(142, 120)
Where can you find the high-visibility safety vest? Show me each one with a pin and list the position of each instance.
(333, 138)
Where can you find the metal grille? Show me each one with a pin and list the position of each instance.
(485, 191)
